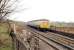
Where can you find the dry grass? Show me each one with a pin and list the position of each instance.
(5, 39)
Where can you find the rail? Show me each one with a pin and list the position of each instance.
(56, 41)
(64, 29)
(70, 35)
(48, 40)
(22, 42)
(68, 42)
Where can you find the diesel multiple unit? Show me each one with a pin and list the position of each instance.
(42, 24)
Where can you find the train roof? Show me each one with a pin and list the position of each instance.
(39, 20)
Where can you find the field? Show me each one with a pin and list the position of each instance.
(5, 39)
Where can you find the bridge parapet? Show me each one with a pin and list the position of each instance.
(23, 39)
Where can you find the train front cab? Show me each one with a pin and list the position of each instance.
(44, 26)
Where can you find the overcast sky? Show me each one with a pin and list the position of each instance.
(54, 10)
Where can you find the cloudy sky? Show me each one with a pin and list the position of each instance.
(54, 10)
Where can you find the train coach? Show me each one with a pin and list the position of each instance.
(42, 24)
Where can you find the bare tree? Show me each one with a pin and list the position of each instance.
(6, 7)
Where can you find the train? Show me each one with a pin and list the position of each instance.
(42, 24)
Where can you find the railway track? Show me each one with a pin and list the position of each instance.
(57, 41)
(54, 40)
(70, 35)
(20, 41)
(64, 29)
(61, 39)
(44, 40)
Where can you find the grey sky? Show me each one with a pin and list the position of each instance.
(55, 10)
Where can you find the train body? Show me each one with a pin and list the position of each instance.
(42, 24)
